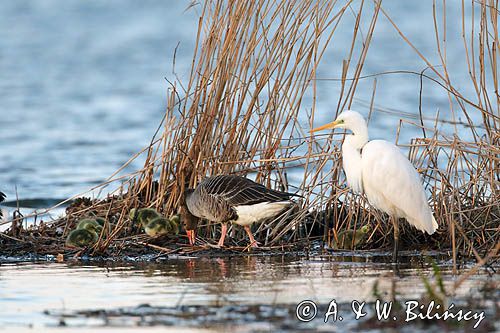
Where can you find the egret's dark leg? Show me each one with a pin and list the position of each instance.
(395, 222)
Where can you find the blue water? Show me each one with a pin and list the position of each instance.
(28, 290)
(82, 84)
(82, 88)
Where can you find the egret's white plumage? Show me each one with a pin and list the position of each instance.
(378, 169)
(392, 184)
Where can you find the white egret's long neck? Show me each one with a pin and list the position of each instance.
(359, 136)
(351, 156)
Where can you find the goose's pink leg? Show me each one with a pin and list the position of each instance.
(191, 236)
(223, 232)
(253, 242)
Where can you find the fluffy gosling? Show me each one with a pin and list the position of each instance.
(81, 238)
(345, 238)
(90, 225)
(143, 215)
(161, 226)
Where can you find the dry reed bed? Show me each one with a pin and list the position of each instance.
(252, 84)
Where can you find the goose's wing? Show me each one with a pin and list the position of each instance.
(238, 191)
(215, 208)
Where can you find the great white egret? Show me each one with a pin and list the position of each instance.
(227, 198)
(378, 169)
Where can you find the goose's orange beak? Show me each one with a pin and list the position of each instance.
(327, 126)
(191, 236)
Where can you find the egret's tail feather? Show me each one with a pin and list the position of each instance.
(435, 226)
(424, 225)
(430, 228)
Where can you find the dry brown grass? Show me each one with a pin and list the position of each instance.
(252, 85)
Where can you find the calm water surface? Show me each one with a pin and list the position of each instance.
(82, 89)
(27, 290)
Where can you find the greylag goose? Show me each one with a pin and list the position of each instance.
(378, 169)
(2, 198)
(235, 199)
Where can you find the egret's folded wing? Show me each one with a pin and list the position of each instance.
(389, 178)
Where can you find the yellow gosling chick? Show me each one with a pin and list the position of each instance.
(157, 226)
(175, 221)
(100, 221)
(143, 215)
(90, 225)
(345, 238)
(132, 214)
(81, 238)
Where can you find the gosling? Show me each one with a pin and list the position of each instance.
(81, 238)
(90, 225)
(345, 238)
(161, 226)
(143, 215)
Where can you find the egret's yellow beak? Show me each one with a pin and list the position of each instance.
(327, 126)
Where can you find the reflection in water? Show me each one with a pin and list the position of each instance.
(26, 290)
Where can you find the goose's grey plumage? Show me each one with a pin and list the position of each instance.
(2, 198)
(227, 198)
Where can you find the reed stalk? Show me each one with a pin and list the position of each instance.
(250, 102)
